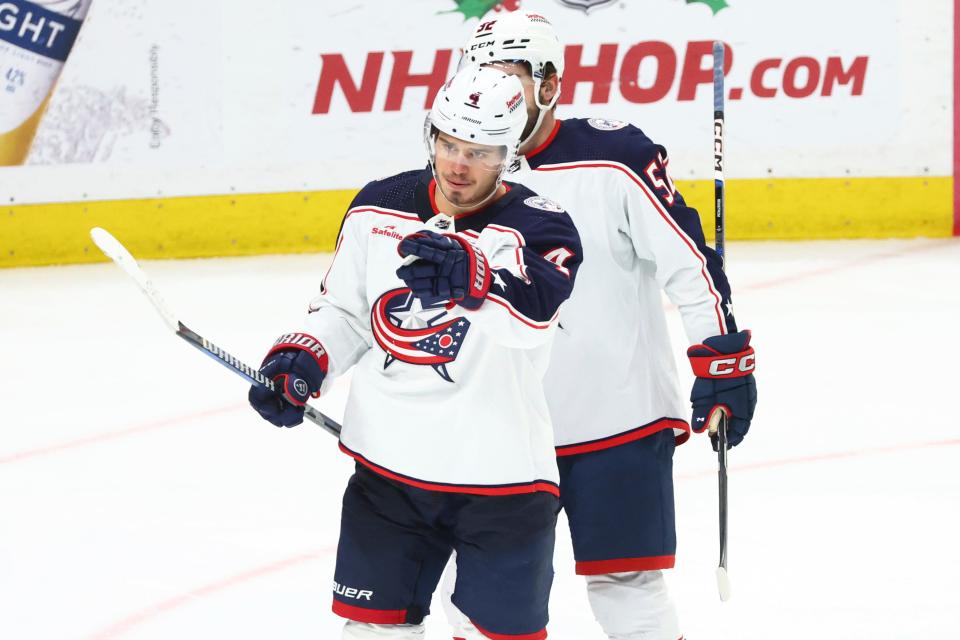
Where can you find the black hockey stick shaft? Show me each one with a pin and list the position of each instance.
(251, 375)
(113, 249)
(723, 583)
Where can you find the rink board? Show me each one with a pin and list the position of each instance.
(194, 143)
(252, 224)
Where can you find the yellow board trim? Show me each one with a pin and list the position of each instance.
(182, 227)
(252, 224)
(828, 208)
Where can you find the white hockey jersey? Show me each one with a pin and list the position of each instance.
(442, 397)
(612, 377)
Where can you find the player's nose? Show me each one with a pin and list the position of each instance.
(460, 166)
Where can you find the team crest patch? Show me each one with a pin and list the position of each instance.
(606, 125)
(539, 202)
(416, 331)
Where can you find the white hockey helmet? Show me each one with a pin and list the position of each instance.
(483, 106)
(518, 36)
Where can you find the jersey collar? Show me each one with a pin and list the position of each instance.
(545, 143)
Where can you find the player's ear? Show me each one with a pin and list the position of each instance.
(549, 86)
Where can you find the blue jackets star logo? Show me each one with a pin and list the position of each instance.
(418, 333)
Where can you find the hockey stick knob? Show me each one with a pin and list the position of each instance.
(714, 423)
(723, 584)
(441, 223)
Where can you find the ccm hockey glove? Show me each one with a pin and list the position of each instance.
(297, 364)
(449, 267)
(724, 368)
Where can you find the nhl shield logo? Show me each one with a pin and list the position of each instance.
(586, 5)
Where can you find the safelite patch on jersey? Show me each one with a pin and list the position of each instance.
(606, 125)
(539, 202)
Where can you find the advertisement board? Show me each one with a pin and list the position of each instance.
(239, 128)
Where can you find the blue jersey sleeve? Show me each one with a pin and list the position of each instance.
(550, 256)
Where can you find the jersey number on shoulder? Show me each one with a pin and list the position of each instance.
(558, 257)
(657, 173)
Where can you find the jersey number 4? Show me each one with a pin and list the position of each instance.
(657, 173)
(558, 257)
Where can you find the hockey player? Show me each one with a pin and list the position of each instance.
(448, 335)
(611, 386)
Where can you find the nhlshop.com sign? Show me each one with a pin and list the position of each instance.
(328, 95)
(806, 95)
(643, 73)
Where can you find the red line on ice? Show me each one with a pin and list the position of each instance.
(19, 456)
(125, 624)
(852, 264)
(824, 457)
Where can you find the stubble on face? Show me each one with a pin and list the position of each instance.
(462, 184)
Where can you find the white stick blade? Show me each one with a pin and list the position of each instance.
(109, 245)
(113, 249)
(723, 584)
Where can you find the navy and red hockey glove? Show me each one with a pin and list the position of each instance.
(297, 364)
(724, 368)
(449, 267)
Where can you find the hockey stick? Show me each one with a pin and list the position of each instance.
(723, 580)
(112, 248)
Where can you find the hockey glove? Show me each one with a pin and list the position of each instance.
(724, 368)
(449, 267)
(297, 364)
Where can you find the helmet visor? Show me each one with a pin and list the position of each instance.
(450, 150)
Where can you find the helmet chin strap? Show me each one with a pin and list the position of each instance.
(540, 116)
(543, 109)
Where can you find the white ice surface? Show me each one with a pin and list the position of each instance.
(140, 498)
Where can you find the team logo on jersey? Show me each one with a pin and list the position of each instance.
(539, 202)
(417, 332)
(604, 124)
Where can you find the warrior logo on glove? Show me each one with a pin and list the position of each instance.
(417, 332)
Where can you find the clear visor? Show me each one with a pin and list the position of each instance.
(454, 152)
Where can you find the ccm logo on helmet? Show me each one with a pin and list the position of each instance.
(721, 367)
(481, 45)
